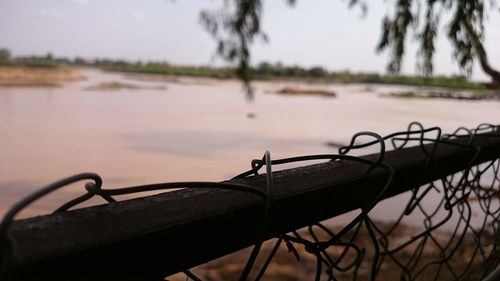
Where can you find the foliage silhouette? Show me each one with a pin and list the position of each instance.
(237, 24)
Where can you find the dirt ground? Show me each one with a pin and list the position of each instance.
(466, 262)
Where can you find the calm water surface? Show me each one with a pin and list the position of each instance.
(188, 129)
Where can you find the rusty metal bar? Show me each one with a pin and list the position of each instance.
(150, 237)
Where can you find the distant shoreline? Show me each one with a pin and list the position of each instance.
(54, 75)
(450, 83)
(435, 87)
(264, 71)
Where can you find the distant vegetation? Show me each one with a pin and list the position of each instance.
(268, 71)
(263, 71)
(5, 55)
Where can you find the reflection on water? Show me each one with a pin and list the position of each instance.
(198, 143)
(188, 128)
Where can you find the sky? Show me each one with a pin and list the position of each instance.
(314, 32)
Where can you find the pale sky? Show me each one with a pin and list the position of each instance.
(314, 32)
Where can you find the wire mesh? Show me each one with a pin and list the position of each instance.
(446, 229)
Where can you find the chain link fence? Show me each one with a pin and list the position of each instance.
(446, 229)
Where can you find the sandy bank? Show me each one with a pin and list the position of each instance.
(121, 86)
(457, 95)
(23, 76)
(305, 91)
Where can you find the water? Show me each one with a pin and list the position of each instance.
(195, 129)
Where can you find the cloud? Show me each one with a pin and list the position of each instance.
(44, 14)
(81, 2)
(137, 15)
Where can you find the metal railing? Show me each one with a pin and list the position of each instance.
(442, 223)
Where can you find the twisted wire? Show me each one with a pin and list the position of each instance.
(363, 249)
